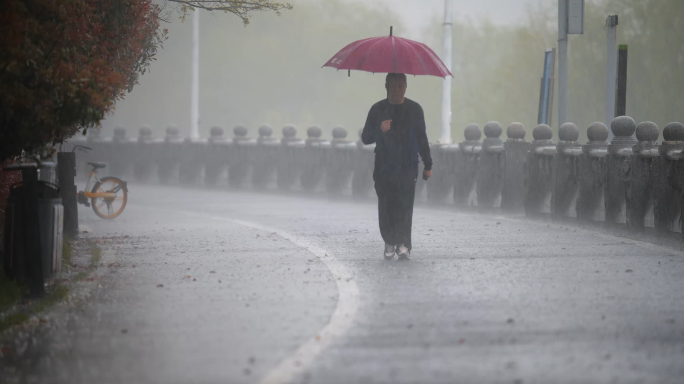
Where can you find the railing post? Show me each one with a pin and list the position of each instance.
(289, 158)
(193, 156)
(465, 192)
(669, 187)
(143, 155)
(362, 178)
(491, 167)
(540, 172)
(218, 149)
(119, 154)
(315, 159)
(265, 158)
(515, 173)
(169, 156)
(642, 177)
(566, 180)
(340, 164)
(619, 159)
(592, 174)
(240, 161)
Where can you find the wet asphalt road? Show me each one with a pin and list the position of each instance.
(485, 298)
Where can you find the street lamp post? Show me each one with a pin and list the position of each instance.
(445, 132)
(194, 107)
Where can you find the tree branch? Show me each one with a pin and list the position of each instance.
(241, 9)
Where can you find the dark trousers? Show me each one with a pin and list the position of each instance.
(396, 190)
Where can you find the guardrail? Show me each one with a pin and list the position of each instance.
(630, 182)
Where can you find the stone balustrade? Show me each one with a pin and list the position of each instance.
(632, 182)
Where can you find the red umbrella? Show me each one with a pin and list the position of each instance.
(389, 54)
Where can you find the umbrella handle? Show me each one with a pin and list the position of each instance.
(391, 30)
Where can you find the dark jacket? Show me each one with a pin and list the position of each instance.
(400, 146)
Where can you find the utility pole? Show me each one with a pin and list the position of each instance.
(621, 94)
(445, 133)
(570, 22)
(562, 62)
(611, 68)
(194, 108)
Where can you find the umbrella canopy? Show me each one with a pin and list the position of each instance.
(389, 54)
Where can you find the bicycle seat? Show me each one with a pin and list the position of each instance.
(97, 165)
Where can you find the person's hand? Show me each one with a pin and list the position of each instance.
(427, 174)
(385, 126)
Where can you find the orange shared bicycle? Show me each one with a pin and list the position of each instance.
(108, 195)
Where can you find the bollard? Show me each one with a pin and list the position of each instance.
(466, 171)
(515, 172)
(192, 160)
(144, 155)
(288, 168)
(566, 168)
(314, 165)
(491, 167)
(340, 162)
(218, 149)
(168, 157)
(642, 177)
(118, 154)
(440, 187)
(240, 158)
(618, 162)
(362, 178)
(66, 173)
(669, 181)
(592, 180)
(540, 172)
(265, 158)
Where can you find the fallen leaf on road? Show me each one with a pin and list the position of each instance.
(187, 277)
(194, 279)
(461, 341)
(252, 360)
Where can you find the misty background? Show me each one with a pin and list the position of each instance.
(269, 72)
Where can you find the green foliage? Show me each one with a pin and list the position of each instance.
(271, 72)
(64, 63)
(67, 252)
(10, 293)
(240, 8)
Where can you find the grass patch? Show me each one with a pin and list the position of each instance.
(56, 295)
(12, 320)
(80, 276)
(67, 252)
(10, 293)
(96, 254)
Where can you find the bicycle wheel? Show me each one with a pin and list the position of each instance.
(110, 207)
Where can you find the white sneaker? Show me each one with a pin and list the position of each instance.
(403, 252)
(389, 251)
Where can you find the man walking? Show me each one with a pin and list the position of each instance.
(397, 126)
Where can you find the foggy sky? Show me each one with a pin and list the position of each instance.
(416, 14)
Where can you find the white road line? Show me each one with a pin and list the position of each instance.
(340, 321)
